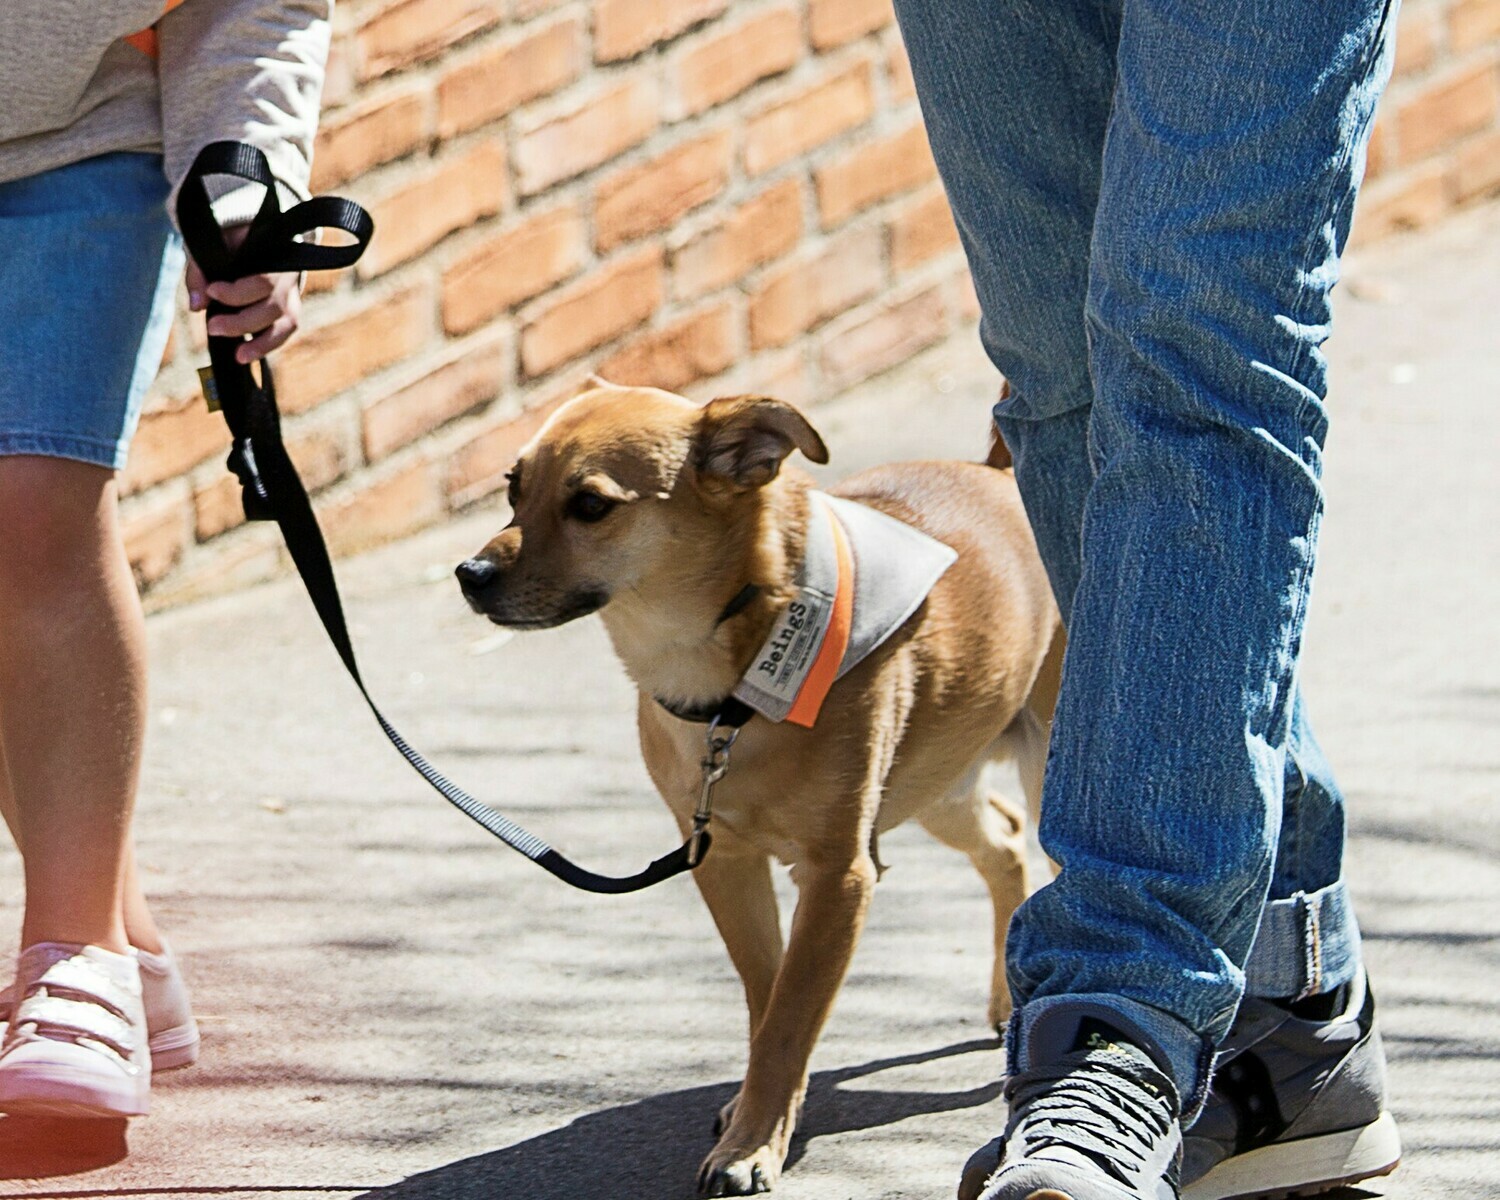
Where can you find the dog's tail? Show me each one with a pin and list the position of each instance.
(999, 455)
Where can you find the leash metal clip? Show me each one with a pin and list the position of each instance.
(715, 766)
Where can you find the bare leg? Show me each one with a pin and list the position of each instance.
(72, 695)
(140, 925)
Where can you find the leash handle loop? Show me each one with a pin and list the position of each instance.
(272, 489)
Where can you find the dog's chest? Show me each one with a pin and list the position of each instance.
(761, 819)
(753, 802)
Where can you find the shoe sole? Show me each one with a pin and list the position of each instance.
(173, 1049)
(1306, 1167)
(62, 1093)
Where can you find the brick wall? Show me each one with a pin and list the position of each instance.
(708, 196)
(1436, 143)
(705, 196)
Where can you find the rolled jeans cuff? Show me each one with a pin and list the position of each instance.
(1306, 944)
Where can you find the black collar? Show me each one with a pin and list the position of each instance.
(738, 603)
(732, 713)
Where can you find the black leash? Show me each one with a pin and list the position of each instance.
(273, 491)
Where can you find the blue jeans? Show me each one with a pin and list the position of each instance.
(88, 289)
(1153, 196)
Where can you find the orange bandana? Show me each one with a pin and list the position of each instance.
(145, 41)
(862, 576)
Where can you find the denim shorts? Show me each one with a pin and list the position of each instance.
(89, 267)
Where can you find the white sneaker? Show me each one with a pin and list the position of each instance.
(76, 1042)
(169, 1015)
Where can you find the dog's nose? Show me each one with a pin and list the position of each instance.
(475, 574)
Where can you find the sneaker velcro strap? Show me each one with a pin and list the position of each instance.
(63, 1016)
(78, 976)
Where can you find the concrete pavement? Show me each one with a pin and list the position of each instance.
(395, 1007)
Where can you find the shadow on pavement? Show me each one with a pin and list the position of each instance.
(652, 1148)
(43, 1147)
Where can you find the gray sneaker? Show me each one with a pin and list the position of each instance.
(1098, 1123)
(1297, 1107)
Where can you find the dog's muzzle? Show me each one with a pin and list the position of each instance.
(481, 581)
(475, 577)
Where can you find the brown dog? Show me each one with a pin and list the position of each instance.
(677, 524)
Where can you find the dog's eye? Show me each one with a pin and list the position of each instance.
(512, 487)
(589, 506)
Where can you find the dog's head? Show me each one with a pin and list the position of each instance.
(629, 490)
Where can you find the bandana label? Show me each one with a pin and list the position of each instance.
(790, 651)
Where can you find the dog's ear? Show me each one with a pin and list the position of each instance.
(592, 381)
(743, 439)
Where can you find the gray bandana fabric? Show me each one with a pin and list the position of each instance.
(863, 575)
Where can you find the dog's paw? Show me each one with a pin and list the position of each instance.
(1000, 1005)
(724, 1116)
(983, 1163)
(730, 1172)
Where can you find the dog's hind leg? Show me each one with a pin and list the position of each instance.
(1028, 736)
(990, 829)
(1040, 704)
(1026, 742)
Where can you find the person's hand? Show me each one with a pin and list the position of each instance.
(270, 305)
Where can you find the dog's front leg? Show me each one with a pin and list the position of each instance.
(735, 880)
(831, 908)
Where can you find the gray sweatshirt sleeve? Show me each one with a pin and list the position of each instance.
(245, 71)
